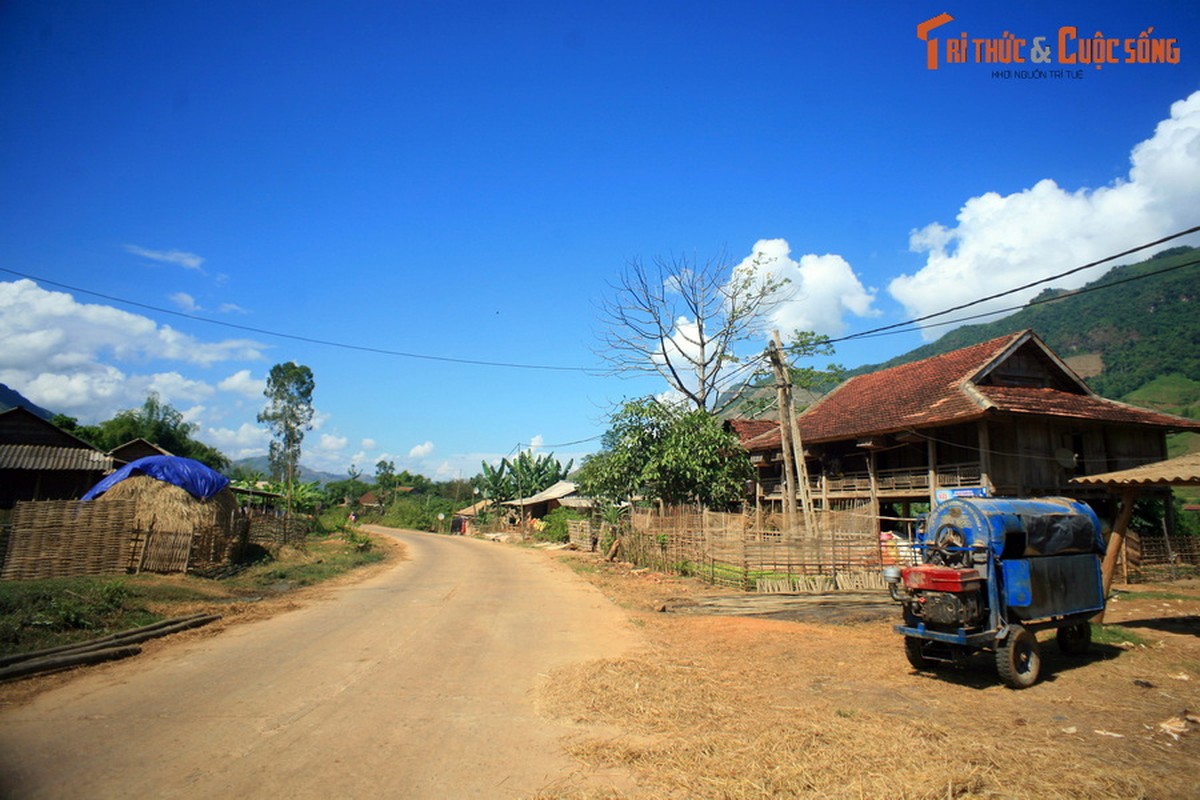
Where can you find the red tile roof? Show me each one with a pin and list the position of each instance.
(916, 395)
(747, 429)
(1032, 400)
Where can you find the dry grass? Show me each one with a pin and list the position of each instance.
(741, 708)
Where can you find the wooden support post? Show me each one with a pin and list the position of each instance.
(931, 458)
(985, 458)
(874, 484)
(1116, 542)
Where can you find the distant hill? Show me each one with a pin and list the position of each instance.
(11, 398)
(263, 465)
(1132, 334)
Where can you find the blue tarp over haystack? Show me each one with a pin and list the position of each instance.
(199, 480)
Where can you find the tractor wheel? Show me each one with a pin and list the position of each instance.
(1074, 640)
(1018, 659)
(912, 649)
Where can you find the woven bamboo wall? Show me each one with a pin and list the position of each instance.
(728, 549)
(579, 533)
(60, 538)
(271, 530)
(166, 551)
(63, 538)
(1157, 558)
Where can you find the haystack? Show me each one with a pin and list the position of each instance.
(182, 531)
(164, 506)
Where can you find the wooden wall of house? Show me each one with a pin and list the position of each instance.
(1132, 447)
(1005, 459)
(957, 444)
(1024, 453)
(44, 485)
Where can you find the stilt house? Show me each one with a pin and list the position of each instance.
(1006, 417)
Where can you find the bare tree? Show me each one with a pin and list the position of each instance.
(683, 319)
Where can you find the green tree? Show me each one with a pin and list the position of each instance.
(288, 414)
(666, 452)
(346, 491)
(156, 422)
(385, 481)
(494, 483)
(523, 476)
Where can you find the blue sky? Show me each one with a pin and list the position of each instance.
(463, 180)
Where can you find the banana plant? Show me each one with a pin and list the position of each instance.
(523, 476)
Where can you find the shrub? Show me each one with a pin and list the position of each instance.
(555, 524)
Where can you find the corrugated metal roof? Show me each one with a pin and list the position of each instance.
(555, 492)
(1181, 471)
(45, 457)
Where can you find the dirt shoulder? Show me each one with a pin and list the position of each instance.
(235, 608)
(750, 706)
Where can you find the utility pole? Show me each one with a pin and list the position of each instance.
(793, 447)
(783, 395)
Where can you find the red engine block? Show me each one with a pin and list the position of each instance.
(934, 578)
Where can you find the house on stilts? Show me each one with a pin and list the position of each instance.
(1006, 417)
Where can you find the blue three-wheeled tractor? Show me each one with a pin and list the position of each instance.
(994, 572)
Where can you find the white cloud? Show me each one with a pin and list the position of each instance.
(367, 444)
(73, 357)
(821, 290)
(174, 388)
(245, 441)
(421, 450)
(1000, 242)
(332, 443)
(178, 257)
(185, 302)
(242, 383)
(536, 442)
(46, 330)
(231, 308)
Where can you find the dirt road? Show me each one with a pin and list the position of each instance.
(418, 682)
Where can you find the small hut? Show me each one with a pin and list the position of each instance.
(189, 515)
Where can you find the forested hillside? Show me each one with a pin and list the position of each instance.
(1133, 334)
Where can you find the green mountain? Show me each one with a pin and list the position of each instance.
(11, 398)
(1133, 334)
(306, 475)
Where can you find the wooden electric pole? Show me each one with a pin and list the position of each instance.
(794, 466)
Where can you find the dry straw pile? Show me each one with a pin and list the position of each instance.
(166, 507)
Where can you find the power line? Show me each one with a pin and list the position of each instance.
(523, 445)
(1039, 301)
(307, 339)
(997, 295)
(894, 328)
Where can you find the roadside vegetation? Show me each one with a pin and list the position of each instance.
(48, 613)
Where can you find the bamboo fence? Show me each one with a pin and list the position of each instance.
(62, 538)
(268, 529)
(1149, 558)
(744, 552)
